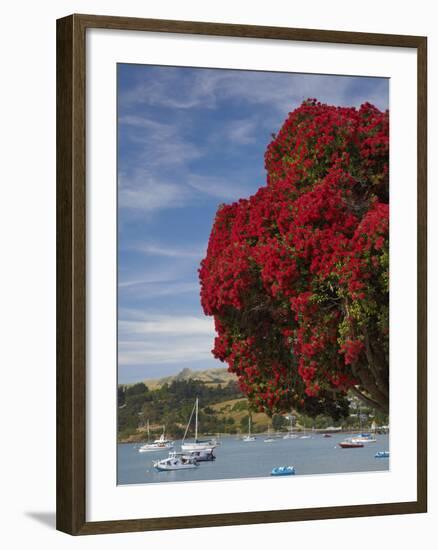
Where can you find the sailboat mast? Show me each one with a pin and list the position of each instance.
(196, 421)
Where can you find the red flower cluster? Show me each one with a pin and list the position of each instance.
(296, 276)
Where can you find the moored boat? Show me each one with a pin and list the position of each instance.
(364, 438)
(176, 461)
(197, 444)
(249, 437)
(290, 434)
(161, 444)
(350, 444)
(201, 456)
(269, 439)
(382, 454)
(283, 471)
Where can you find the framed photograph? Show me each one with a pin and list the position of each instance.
(241, 274)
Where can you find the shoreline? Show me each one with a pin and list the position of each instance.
(137, 439)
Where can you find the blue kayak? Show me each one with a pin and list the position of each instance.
(283, 471)
(382, 454)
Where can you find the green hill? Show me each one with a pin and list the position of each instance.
(168, 401)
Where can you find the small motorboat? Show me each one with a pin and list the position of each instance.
(350, 444)
(382, 454)
(326, 435)
(176, 461)
(283, 471)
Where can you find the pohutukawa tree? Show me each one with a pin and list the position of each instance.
(296, 276)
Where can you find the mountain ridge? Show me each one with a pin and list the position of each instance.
(212, 376)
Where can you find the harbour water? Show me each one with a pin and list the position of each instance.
(237, 459)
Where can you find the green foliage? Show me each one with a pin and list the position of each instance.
(279, 422)
(244, 423)
(240, 406)
(136, 389)
(171, 406)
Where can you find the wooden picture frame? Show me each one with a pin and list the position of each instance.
(71, 273)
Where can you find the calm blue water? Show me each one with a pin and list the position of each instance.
(237, 459)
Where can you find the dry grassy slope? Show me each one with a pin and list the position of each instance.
(213, 377)
(208, 376)
(229, 409)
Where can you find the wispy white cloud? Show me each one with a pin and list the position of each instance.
(160, 142)
(160, 339)
(143, 191)
(187, 325)
(158, 289)
(242, 132)
(206, 88)
(137, 121)
(165, 351)
(157, 249)
(219, 187)
(130, 275)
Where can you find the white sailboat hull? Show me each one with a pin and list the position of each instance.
(150, 448)
(166, 468)
(198, 446)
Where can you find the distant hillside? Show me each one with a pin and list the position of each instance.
(237, 409)
(210, 377)
(223, 409)
(170, 401)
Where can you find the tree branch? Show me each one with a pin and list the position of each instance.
(368, 400)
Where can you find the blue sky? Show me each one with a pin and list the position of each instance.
(189, 140)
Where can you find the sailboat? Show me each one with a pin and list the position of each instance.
(305, 435)
(363, 437)
(249, 437)
(197, 445)
(290, 435)
(269, 439)
(160, 444)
